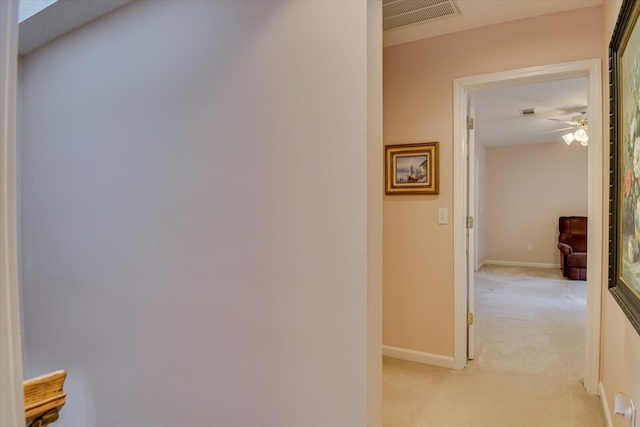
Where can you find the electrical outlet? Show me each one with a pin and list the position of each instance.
(530, 247)
(622, 410)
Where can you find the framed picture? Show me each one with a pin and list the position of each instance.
(411, 168)
(624, 203)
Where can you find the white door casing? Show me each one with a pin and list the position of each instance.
(592, 69)
(470, 232)
(11, 394)
(476, 212)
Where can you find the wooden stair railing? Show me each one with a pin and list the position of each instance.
(43, 399)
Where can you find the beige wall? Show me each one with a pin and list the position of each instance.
(620, 364)
(528, 187)
(194, 215)
(620, 357)
(418, 104)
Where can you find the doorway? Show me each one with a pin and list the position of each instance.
(462, 183)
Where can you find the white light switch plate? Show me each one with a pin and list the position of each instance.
(443, 216)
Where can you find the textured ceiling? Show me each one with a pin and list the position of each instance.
(60, 18)
(28, 8)
(498, 119)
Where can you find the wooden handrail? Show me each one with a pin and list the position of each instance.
(43, 398)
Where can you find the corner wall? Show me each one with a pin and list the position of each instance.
(194, 214)
(418, 107)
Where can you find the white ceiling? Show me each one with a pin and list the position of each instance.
(498, 119)
(480, 13)
(28, 8)
(59, 18)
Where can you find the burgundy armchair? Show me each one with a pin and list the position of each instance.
(572, 243)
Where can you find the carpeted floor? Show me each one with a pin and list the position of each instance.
(530, 320)
(416, 395)
(529, 361)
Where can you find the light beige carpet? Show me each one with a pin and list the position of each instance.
(530, 320)
(416, 395)
(530, 329)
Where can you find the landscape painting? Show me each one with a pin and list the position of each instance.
(411, 168)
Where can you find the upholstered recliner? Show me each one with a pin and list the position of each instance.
(572, 243)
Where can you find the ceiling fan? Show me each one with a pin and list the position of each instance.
(579, 128)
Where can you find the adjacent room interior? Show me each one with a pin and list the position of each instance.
(529, 318)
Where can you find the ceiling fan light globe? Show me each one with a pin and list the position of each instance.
(568, 138)
(581, 135)
(585, 142)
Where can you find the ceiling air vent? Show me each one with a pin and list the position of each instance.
(527, 112)
(400, 13)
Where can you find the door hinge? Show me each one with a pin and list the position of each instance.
(469, 319)
(469, 123)
(469, 222)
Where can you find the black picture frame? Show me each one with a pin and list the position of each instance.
(624, 166)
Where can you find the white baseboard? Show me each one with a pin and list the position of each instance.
(482, 264)
(519, 264)
(605, 405)
(418, 357)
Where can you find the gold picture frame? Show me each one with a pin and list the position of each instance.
(411, 168)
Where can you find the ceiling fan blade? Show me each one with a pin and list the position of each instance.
(563, 121)
(558, 130)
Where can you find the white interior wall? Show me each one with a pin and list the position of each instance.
(194, 214)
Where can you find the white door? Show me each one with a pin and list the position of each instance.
(470, 211)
